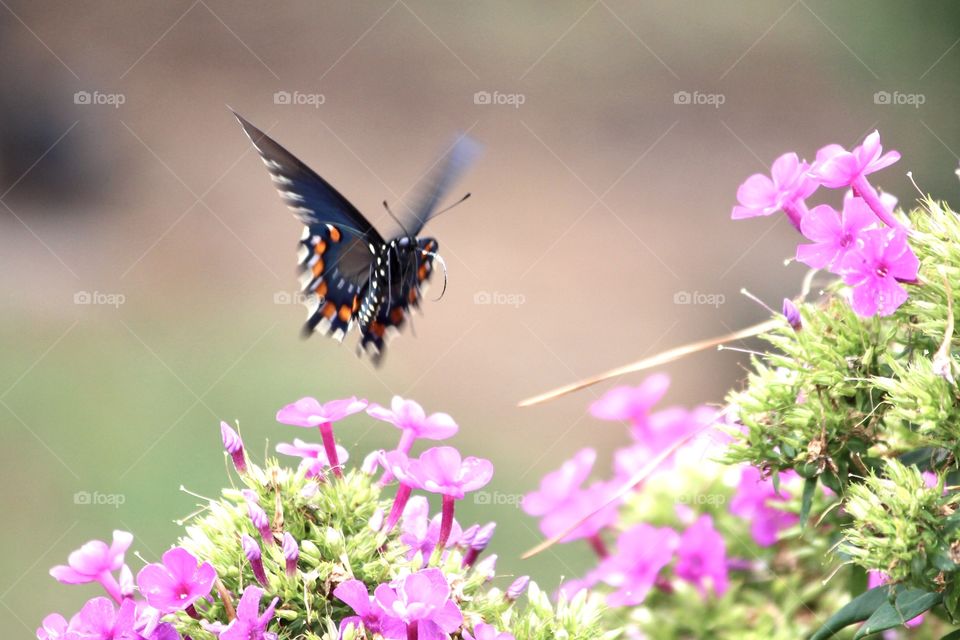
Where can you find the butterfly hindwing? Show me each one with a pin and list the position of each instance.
(334, 270)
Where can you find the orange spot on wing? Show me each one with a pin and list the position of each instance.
(345, 313)
(423, 272)
(329, 310)
(321, 247)
(413, 295)
(377, 329)
(396, 316)
(318, 267)
(335, 234)
(356, 304)
(321, 289)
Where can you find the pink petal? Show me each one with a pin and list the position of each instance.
(439, 426)
(784, 170)
(68, 575)
(180, 563)
(822, 224)
(757, 192)
(355, 594)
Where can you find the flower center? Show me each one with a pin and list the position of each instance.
(882, 271)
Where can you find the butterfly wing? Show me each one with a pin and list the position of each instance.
(336, 250)
(405, 293)
(440, 179)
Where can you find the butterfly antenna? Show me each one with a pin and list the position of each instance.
(396, 219)
(444, 210)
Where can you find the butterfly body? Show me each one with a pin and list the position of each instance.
(350, 275)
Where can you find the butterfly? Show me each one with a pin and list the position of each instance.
(350, 274)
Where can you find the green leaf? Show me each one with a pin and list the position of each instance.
(908, 605)
(857, 610)
(809, 487)
(953, 635)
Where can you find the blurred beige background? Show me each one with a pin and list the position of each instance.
(600, 200)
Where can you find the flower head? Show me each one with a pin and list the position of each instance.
(702, 557)
(420, 532)
(785, 189)
(881, 259)
(557, 486)
(251, 550)
(409, 417)
(249, 623)
(95, 562)
(308, 412)
(834, 235)
(642, 552)
(421, 600)
(314, 456)
(53, 627)
(836, 167)
(792, 314)
(177, 582)
(442, 470)
(291, 553)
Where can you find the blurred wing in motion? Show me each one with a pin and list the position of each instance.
(441, 177)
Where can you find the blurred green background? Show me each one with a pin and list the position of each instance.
(599, 199)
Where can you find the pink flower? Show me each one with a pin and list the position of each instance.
(516, 588)
(632, 404)
(442, 470)
(881, 259)
(99, 620)
(661, 431)
(486, 632)
(790, 184)
(753, 502)
(834, 235)
(354, 593)
(837, 168)
(561, 501)
(642, 552)
(409, 417)
(53, 627)
(418, 606)
(556, 486)
(249, 623)
(96, 562)
(421, 533)
(314, 457)
(177, 583)
(702, 557)
(308, 412)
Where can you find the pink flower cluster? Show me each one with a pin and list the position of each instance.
(864, 243)
(174, 584)
(419, 605)
(647, 557)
